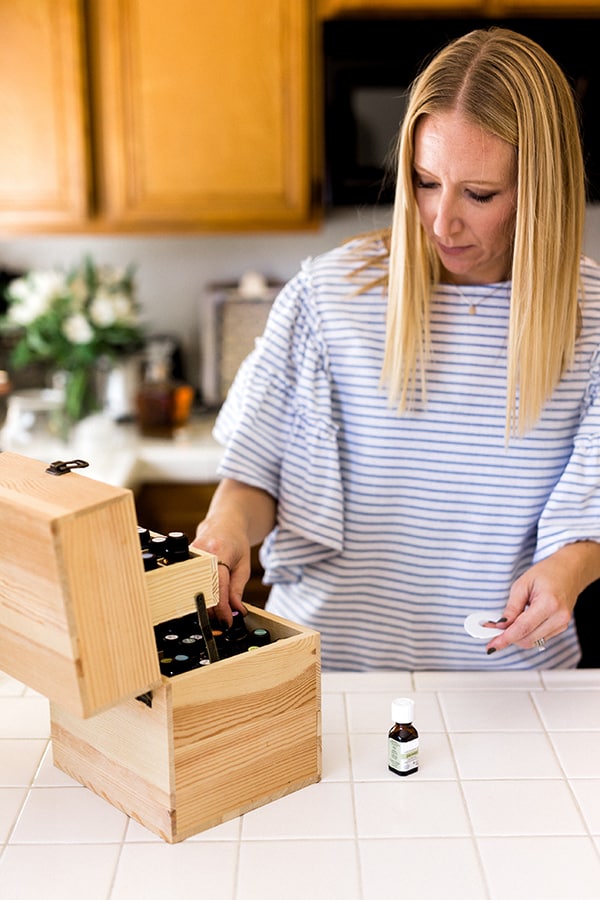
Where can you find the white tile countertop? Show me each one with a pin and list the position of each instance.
(505, 805)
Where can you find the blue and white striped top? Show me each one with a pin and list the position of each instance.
(393, 528)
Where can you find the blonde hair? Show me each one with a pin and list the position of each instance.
(508, 85)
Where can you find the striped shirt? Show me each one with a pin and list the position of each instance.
(392, 528)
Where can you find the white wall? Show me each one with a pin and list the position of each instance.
(173, 272)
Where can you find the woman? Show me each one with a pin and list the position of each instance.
(417, 435)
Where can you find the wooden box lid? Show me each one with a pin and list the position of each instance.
(75, 621)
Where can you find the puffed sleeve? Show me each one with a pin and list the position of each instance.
(279, 434)
(572, 512)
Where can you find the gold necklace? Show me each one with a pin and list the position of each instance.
(473, 306)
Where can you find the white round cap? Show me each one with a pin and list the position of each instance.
(403, 710)
(475, 625)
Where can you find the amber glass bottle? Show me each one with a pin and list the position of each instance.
(403, 739)
(163, 403)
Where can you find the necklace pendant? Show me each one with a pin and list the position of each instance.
(472, 309)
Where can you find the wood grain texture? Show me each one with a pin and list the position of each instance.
(74, 613)
(217, 741)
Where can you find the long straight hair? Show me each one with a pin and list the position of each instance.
(509, 86)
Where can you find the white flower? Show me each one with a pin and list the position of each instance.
(125, 313)
(78, 289)
(102, 312)
(34, 295)
(108, 309)
(111, 276)
(77, 329)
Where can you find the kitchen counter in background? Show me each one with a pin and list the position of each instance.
(120, 456)
(505, 806)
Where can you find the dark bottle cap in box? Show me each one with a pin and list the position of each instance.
(158, 546)
(260, 637)
(178, 664)
(150, 561)
(177, 547)
(236, 637)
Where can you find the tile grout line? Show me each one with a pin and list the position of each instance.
(352, 782)
(459, 781)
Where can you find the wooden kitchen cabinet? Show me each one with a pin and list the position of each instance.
(175, 506)
(45, 177)
(203, 113)
(129, 115)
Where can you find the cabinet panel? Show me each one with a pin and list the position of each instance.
(328, 8)
(44, 171)
(203, 113)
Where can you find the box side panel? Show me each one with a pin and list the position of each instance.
(40, 667)
(36, 637)
(244, 771)
(172, 589)
(74, 617)
(248, 731)
(123, 755)
(105, 587)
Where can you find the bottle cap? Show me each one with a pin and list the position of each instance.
(238, 626)
(403, 709)
(260, 637)
(149, 560)
(177, 546)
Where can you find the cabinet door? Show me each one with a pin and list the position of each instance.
(203, 111)
(44, 172)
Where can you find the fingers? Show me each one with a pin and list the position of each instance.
(232, 581)
(233, 566)
(525, 632)
(536, 611)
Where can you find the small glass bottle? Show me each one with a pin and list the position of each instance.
(236, 637)
(149, 560)
(144, 537)
(157, 546)
(403, 738)
(176, 547)
(163, 403)
(260, 637)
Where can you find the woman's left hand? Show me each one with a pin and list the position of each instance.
(541, 601)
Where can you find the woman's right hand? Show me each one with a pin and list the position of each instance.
(233, 555)
(239, 517)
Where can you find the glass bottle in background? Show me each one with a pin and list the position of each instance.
(163, 402)
(5, 389)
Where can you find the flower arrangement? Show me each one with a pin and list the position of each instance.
(70, 320)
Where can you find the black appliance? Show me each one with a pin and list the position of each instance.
(369, 64)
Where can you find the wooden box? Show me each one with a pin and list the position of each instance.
(77, 614)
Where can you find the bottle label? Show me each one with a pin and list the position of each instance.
(403, 756)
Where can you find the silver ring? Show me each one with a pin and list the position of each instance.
(221, 563)
(541, 645)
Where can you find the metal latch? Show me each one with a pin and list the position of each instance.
(61, 468)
